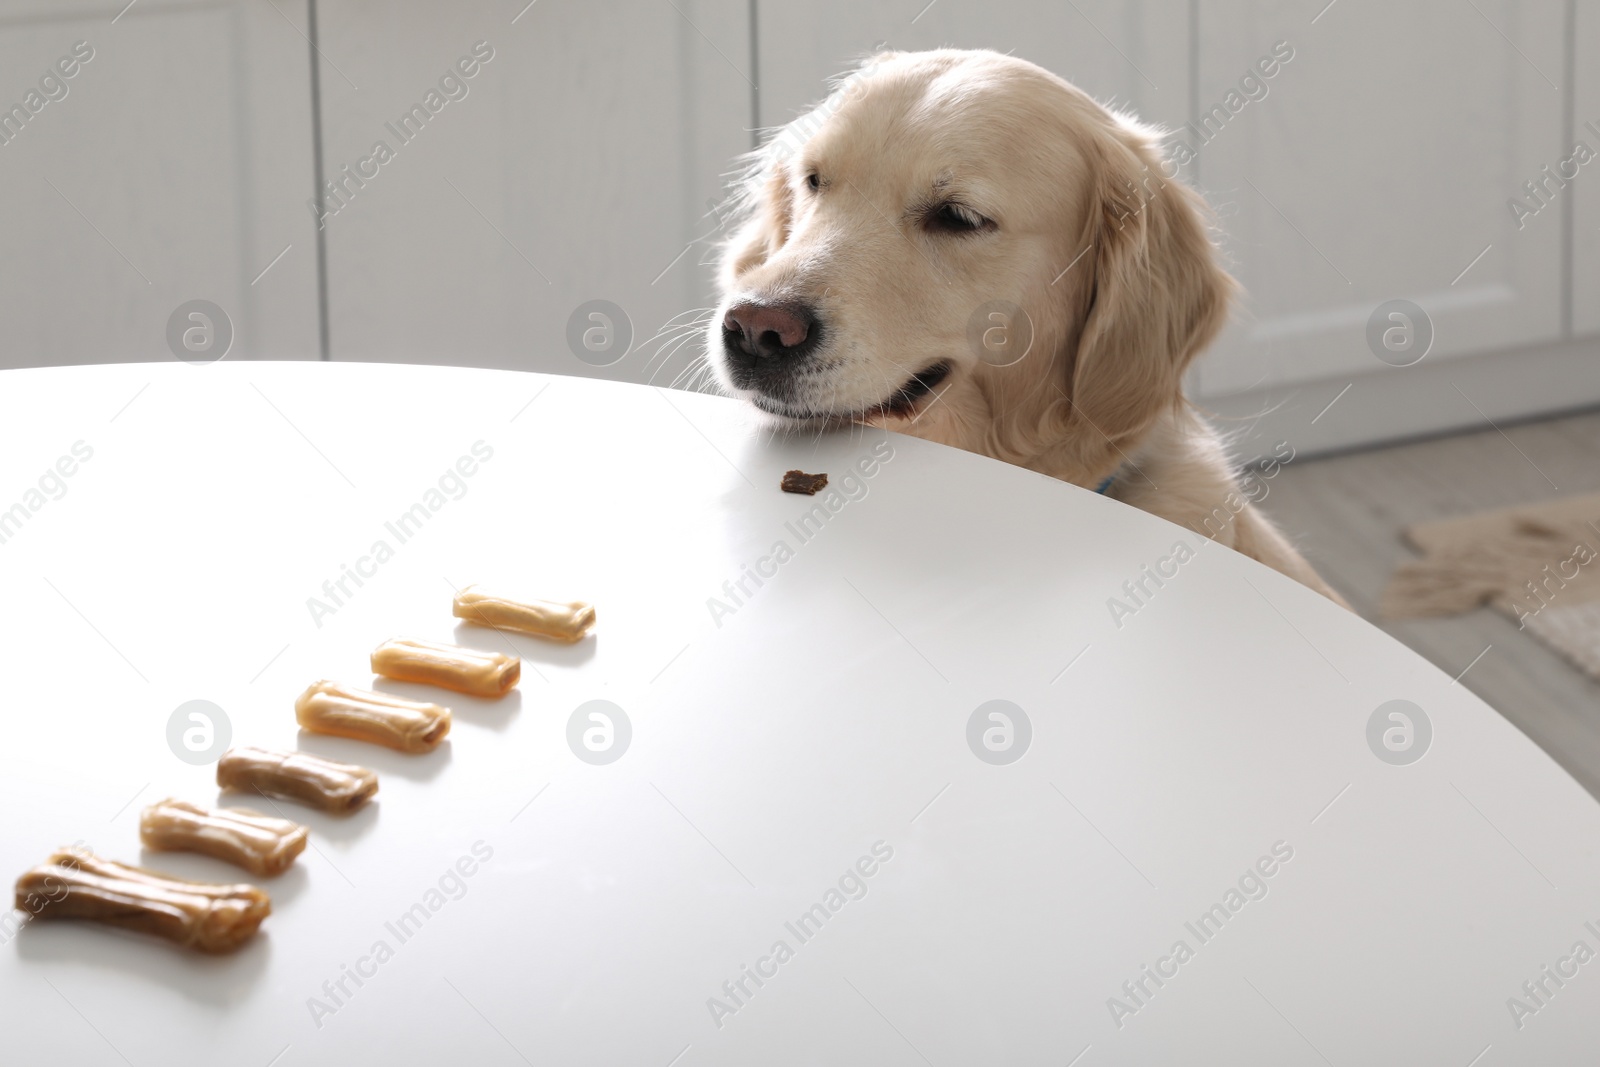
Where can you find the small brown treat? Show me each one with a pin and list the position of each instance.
(801, 482)
(466, 670)
(542, 618)
(321, 783)
(262, 845)
(362, 715)
(201, 915)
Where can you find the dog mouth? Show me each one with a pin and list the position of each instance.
(901, 403)
(905, 399)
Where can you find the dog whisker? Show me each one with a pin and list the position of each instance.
(674, 329)
(673, 325)
(660, 340)
(691, 379)
(704, 314)
(682, 372)
(666, 345)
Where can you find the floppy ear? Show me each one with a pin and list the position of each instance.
(1156, 296)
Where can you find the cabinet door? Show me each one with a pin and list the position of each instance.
(578, 161)
(171, 166)
(1380, 167)
(1132, 53)
(1586, 188)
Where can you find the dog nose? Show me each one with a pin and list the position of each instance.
(767, 329)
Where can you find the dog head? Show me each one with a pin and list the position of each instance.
(963, 246)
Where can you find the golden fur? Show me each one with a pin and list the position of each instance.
(1110, 258)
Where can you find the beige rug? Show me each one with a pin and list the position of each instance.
(1538, 564)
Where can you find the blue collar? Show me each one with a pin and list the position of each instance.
(1106, 483)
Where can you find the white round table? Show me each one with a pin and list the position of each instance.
(802, 834)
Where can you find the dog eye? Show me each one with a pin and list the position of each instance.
(813, 181)
(951, 217)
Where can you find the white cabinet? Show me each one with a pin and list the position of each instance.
(1586, 187)
(578, 162)
(1130, 52)
(171, 166)
(1380, 167)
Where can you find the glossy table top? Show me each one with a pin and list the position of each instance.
(802, 830)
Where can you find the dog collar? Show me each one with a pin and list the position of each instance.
(1106, 483)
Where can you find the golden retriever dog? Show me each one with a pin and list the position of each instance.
(961, 246)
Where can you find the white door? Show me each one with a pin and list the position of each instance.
(1379, 167)
(151, 157)
(577, 161)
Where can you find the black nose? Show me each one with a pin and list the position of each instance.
(752, 332)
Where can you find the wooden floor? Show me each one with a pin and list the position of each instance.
(1346, 513)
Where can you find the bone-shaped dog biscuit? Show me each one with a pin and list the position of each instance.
(542, 618)
(261, 844)
(362, 715)
(202, 915)
(321, 783)
(466, 670)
